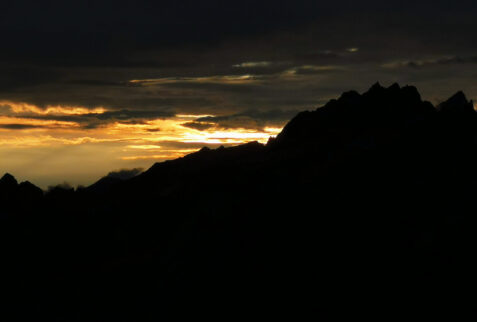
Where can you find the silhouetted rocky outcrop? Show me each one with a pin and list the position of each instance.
(8, 183)
(368, 199)
(103, 185)
(29, 191)
(380, 111)
(16, 197)
(457, 104)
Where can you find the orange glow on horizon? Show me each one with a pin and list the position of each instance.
(20, 129)
(55, 143)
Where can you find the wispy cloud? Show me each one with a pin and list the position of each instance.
(419, 63)
(251, 119)
(25, 108)
(311, 69)
(220, 79)
(67, 116)
(254, 64)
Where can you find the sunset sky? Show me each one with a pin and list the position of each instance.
(88, 87)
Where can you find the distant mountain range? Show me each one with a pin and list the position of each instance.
(367, 204)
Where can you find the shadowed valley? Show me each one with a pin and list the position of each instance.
(366, 203)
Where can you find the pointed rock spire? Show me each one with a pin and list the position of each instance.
(458, 103)
(394, 87)
(411, 92)
(8, 181)
(376, 87)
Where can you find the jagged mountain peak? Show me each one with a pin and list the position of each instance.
(11, 190)
(376, 87)
(350, 97)
(8, 180)
(379, 107)
(394, 87)
(377, 91)
(458, 97)
(457, 103)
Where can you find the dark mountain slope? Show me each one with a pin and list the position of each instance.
(378, 109)
(365, 205)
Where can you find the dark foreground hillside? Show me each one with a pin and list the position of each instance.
(364, 207)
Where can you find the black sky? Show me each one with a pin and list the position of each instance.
(300, 53)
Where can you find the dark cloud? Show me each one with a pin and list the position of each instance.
(95, 120)
(14, 126)
(123, 33)
(14, 78)
(109, 28)
(133, 122)
(447, 60)
(132, 114)
(97, 82)
(250, 119)
(314, 70)
(201, 126)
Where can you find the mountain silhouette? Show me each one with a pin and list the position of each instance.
(385, 109)
(8, 183)
(457, 104)
(16, 197)
(365, 205)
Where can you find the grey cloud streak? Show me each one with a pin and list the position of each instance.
(429, 62)
(19, 126)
